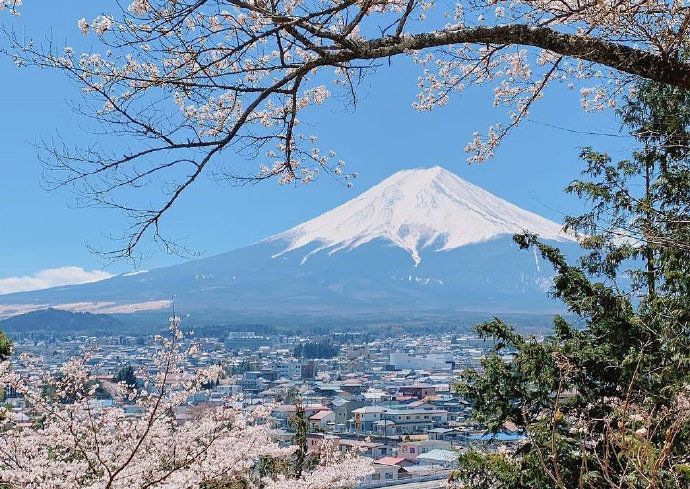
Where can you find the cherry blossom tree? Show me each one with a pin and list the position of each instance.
(201, 86)
(11, 5)
(70, 439)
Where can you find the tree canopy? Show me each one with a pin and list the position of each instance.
(5, 346)
(323, 349)
(12, 6)
(127, 376)
(605, 401)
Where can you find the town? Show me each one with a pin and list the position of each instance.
(392, 399)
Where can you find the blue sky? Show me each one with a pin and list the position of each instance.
(40, 230)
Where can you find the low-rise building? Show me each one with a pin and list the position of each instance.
(418, 391)
(321, 420)
(410, 450)
(445, 458)
(409, 421)
(366, 417)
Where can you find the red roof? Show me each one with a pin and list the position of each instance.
(391, 460)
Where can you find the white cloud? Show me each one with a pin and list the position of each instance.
(51, 277)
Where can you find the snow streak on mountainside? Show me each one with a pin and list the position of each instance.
(417, 209)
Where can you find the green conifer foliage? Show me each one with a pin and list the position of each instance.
(605, 400)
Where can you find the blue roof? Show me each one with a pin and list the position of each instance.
(489, 437)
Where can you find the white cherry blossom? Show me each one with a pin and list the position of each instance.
(204, 87)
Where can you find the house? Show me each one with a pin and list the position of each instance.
(352, 387)
(418, 391)
(311, 409)
(252, 382)
(377, 396)
(282, 414)
(320, 420)
(270, 396)
(365, 448)
(327, 390)
(19, 418)
(390, 468)
(366, 416)
(437, 456)
(420, 405)
(283, 437)
(447, 434)
(224, 390)
(343, 409)
(394, 461)
(315, 441)
(362, 447)
(382, 473)
(410, 450)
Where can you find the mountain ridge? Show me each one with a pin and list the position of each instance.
(55, 320)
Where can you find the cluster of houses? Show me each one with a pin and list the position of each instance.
(391, 399)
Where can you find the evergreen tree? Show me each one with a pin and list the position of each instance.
(604, 402)
(5, 346)
(300, 423)
(5, 352)
(323, 349)
(126, 375)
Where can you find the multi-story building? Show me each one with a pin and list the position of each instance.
(289, 369)
(309, 370)
(343, 409)
(410, 421)
(366, 417)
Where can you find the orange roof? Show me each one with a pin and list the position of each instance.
(320, 415)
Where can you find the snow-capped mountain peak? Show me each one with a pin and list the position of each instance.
(413, 213)
(416, 209)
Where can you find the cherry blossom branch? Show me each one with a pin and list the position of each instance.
(201, 86)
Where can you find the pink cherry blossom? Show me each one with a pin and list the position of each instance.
(72, 439)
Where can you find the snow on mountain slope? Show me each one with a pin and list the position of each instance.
(416, 209)
(392, 233)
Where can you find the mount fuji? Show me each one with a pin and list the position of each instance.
(415, 210)
(421, 244)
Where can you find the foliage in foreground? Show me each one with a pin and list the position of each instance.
(605, 402)
(73, 439)
(177, 89)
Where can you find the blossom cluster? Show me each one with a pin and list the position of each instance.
(11, 5)
(205, 87)
(73, 439)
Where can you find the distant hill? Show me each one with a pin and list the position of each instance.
(59, 321)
